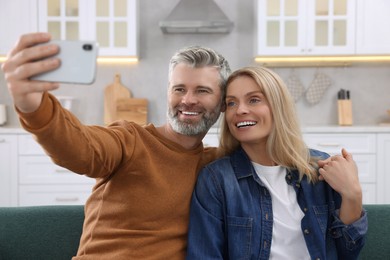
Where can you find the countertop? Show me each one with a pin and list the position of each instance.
(338, 129)
(305, 129)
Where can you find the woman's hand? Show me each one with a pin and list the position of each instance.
(341, 173)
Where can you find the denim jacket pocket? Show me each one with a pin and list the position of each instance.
(321, 213)
(239, 236)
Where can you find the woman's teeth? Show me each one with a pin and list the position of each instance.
(245, 123)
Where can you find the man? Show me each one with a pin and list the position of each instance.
(139, 207)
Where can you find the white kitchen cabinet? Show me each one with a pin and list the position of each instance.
(305, 27)
(384, 168)
(17, 17)
(112, 23)
(41, 182)
(8, 170)
(370, 150)
(373, 24)
(33, 195)
(212, 138)
(362, 146)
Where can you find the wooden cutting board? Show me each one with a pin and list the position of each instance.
(119, 104)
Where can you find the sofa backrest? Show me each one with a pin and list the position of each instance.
(40, 232)
(377, 245)
(53, 232)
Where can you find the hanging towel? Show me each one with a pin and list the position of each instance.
(317, 88)
(295, 86)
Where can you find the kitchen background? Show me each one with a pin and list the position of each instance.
(369, 84)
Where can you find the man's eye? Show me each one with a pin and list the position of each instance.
(204, 90)
(178, 90)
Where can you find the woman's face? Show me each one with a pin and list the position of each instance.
(247, 114)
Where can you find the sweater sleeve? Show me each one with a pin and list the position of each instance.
(94, 151)
(38, 118)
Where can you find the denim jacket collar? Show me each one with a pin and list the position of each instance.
(243, 168)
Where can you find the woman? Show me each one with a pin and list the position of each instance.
(271, 197)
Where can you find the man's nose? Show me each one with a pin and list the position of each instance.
(189, 98)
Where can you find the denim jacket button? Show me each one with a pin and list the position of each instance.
(306, 231)
(305, 209)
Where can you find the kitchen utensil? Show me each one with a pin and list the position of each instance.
(111, 94)
(119, 104)
(344, 107)
(132, 109)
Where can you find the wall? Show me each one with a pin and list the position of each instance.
(369, 84)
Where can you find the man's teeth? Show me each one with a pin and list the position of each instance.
(246, 123)
(190, 113)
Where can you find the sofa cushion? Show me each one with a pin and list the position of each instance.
(378, 235)
(40, 232)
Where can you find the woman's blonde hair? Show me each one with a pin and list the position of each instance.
(285, 143)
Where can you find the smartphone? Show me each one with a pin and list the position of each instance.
(78, 63)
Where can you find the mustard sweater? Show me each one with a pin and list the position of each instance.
(139, 207)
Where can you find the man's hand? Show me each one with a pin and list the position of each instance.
(23, 62)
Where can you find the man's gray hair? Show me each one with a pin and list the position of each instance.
(198, 57)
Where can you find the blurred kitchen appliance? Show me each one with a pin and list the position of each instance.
(200, 16)
(3, 114)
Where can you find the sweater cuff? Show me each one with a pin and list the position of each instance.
(41, 116)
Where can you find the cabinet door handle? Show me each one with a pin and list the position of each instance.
(62, 171)
(329, 144)
(2, 140)
(67, 199)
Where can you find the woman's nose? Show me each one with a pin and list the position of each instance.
(242, 109)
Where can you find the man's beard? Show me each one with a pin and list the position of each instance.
(190, 128)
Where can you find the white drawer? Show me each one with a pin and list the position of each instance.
(332, 143)
(366, 164)
(369, 193)
(41, 170)
(28, 146)
(211, 139)
(32, 195)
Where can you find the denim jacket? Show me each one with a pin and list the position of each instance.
(231, 215)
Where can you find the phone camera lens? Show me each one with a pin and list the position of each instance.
(87, 47)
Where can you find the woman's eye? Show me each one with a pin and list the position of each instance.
(230, 103)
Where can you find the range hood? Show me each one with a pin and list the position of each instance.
(196, 16)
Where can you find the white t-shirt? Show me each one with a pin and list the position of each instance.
(287, 238)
